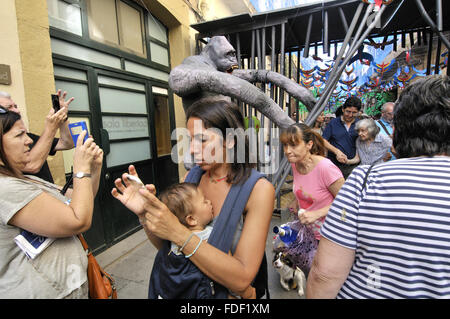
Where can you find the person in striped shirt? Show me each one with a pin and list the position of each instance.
(388, 236)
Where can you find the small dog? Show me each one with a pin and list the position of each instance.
(290, 277)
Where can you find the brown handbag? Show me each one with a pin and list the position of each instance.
(101, 284)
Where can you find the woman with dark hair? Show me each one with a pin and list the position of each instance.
(387, 231)
(236, 191)
(227, 120)
(32, 208)
(319, 124)
(316, 179)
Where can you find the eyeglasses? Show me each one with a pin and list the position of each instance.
(3, 110)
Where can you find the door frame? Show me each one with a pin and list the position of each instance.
(95, 117)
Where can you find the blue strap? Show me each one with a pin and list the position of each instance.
(232, 209)
(226, 224)
(194, 175)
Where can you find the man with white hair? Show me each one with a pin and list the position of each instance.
(46, 144)
(386, 120)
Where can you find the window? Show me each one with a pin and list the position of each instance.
(124, 116)
(130, 24)
(118, 24)
(157, 32)
(64, 16)
(156, 29)
(162, 125)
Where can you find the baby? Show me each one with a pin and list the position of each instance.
(194, 211)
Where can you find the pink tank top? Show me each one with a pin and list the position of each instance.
(311, 190)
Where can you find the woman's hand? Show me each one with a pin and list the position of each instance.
(341, 157)
(84, 154)
(63, 103)
(98, 161)
(127, 192)
(160, 221)
(387, 156)
(309, 217)
(354, 160)
(96, 169)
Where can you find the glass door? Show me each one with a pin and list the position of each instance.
(126, 136)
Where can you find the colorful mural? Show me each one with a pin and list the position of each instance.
(371, 72)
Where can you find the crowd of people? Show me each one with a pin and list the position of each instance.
(354, 138)
(375, 194)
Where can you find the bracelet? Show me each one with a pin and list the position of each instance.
(185, 243)
(198, 245)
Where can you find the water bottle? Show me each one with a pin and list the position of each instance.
(286, 233)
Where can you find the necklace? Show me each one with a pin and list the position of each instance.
(214, 180)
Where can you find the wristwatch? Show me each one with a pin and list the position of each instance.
(81, 175)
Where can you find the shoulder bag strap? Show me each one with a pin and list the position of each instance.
(366, 177)
(83, 242)
(384, 128)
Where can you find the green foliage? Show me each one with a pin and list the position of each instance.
(302, 108)
(375, 99)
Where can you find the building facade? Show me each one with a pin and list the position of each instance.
(114, 57)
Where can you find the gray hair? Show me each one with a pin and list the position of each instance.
(5, 94)
(369, 124)
(383, 107)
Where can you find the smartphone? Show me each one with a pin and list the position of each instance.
(76, 129)
(55, 102)
(134, 179)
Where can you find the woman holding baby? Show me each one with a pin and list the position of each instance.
(219, 168)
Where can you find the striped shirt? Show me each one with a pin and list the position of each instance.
(399, 227)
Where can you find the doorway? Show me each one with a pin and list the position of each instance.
(131, 118)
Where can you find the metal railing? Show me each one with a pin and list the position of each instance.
(350, 45)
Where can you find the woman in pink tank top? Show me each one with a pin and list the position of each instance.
(316, 179)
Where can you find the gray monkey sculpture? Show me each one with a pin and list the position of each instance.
(213, 72)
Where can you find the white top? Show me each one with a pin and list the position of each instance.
(58, 271)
